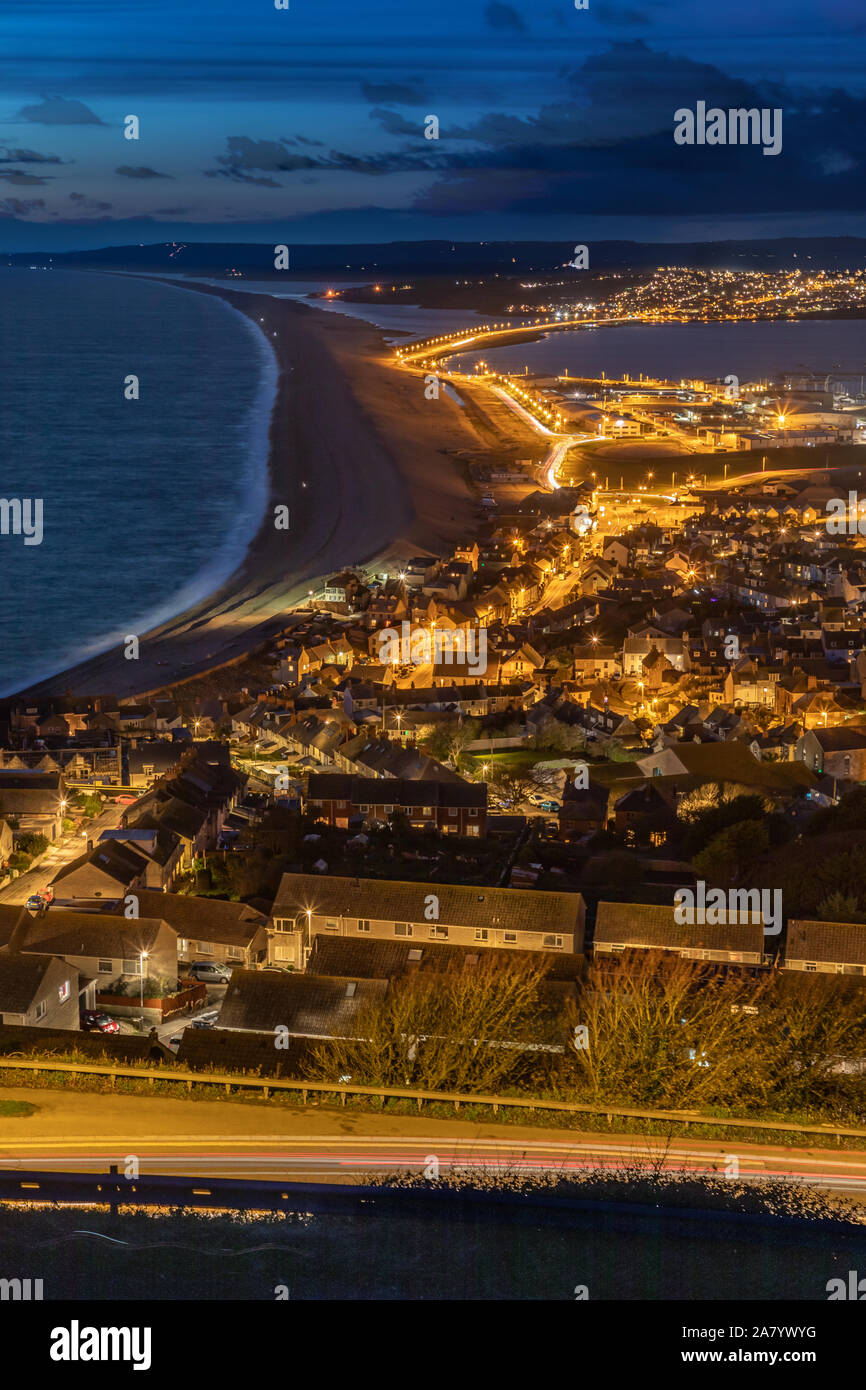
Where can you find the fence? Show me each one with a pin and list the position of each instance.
(241, 1082)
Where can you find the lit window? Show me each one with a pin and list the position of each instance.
(402, 928)
(63, 992)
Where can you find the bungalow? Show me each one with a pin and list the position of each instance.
(307, 1006)
(835, 948)
(647, 927)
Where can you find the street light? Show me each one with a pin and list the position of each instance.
(142, 958)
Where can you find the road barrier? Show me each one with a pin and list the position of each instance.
(266, 1085)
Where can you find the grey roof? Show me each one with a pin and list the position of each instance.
(512, 909)
(307, 1005)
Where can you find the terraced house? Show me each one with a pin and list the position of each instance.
(311, 904)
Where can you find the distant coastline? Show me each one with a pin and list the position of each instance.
(362, 478)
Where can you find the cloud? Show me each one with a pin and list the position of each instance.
(20, 207)
(609, 149)
(623, 16)
(262, 156)
(87, 204)
(140, 171)
(392, 92)
(19, 156)
(17, 176)
(59, 111)
(499, 16)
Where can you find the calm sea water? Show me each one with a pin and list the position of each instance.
(147, 503)
(750, 351)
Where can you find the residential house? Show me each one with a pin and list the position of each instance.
(307, 904)
(647, 927)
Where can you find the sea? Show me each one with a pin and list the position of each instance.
(686, 351)
(148, 503)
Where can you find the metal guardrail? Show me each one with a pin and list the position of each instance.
(240, 1082)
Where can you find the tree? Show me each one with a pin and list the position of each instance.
(729, 853)
(660, 1030)
(452, 1029)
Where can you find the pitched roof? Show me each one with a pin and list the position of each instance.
(646, 924)
(839, 942)
(375, 959)
(20, 980)
(307, 1005)
(511, 909)
(210, 919)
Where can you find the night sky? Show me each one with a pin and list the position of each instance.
(307, 124)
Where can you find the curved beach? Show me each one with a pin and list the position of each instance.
(366, 467)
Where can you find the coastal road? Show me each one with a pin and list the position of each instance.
(88, 1131)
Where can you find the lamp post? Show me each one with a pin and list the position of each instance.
(142, 958)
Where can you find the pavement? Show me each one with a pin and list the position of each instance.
(86, 1131)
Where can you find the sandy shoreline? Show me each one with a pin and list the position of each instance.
(363, 462)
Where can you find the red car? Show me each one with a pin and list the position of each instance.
(93, 1022)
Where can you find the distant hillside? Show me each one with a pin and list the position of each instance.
(441, 257)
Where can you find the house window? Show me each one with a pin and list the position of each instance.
(363, 809)
(389, 810)
(235, 952)
(553, 941)
(426, 810)
(473, 810)
(481, 934)
(402, 928)
(810, 965)
(63, 992)
(331, 925)
(284, 953)
(452, 810)
(439, 933)
(363, 924)
(105, 967)
(129, 967)
(510, 938)
(41, 1009)
(205, 948)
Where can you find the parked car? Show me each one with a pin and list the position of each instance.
(209, 972)
(93, 1021)
(175, 1042)
(36, 902)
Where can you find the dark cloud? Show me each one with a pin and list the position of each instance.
(610, 150)
(83, 201)
(18, 176)
(499, 16)
(18, 156)
(140, 171)
(59, 111)
(622, 16)
(394, 123)
(304, 140)
(248, 159)
(20, 207)
(392, 93)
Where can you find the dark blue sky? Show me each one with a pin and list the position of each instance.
(306, 124)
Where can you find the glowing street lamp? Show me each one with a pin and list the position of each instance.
(142, 958)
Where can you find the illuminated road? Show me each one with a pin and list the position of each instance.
(88, 1131)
